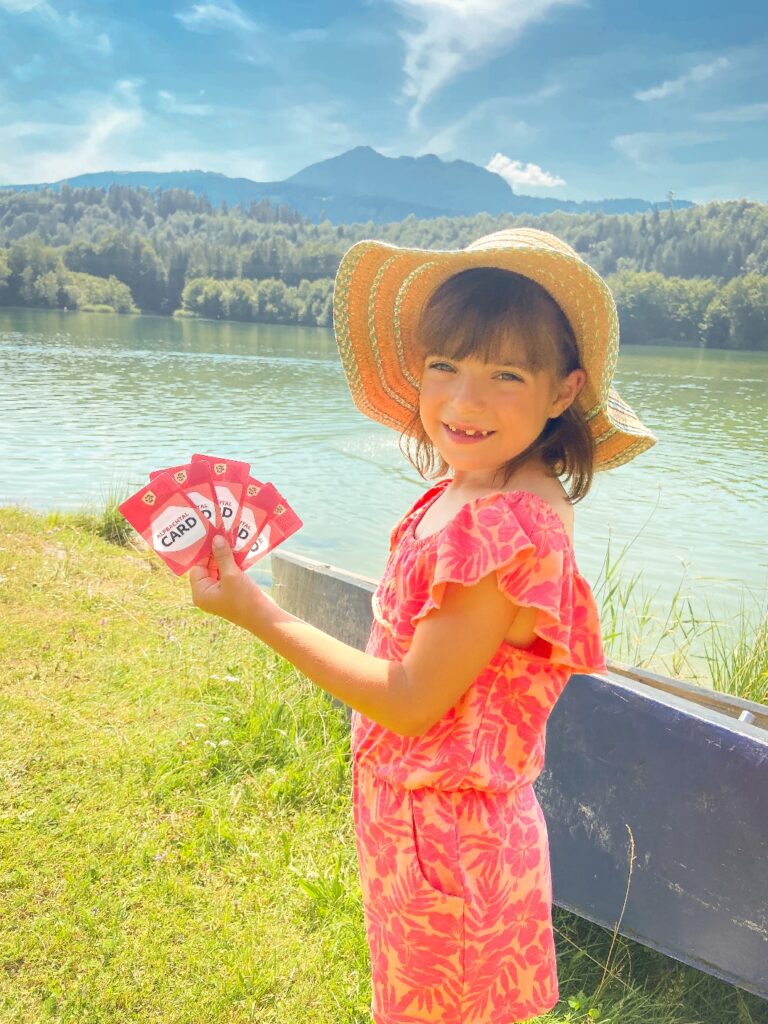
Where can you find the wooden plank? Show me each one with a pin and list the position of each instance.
(726, 703)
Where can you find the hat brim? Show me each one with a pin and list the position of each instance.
(380, 292)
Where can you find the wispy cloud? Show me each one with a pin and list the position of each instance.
(255, 43)
(30, 70)
(172, 105)
(735, 115)
(114, 132)
(457, 35)
(321, 126)
(216, 17)
(19, 6)
(515, 173)
(647, 149)
(494, 113)
(75, 148)
(674, 86)
(79, 33)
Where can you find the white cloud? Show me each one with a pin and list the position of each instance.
(494, 112)
(674, 86)
(113, 132)
(734, 115)
(321, 129)
(75, 148)
(515, 173)
(457, 35)
(222, 16)
(19, 6)
(79, 33)
(256, 46)
(172, 105)
(647, 149)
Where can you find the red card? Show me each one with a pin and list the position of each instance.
(196, 480)
(281, 522)
(170, 523)
(230, 478)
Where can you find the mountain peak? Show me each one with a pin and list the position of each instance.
(455, 188)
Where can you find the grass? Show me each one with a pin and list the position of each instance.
(177, 841)
(686, 641)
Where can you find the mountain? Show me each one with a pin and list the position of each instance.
(456, 187)
(362, 185)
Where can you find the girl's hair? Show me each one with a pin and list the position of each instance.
(481, 313)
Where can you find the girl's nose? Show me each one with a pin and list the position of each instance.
(467, 395)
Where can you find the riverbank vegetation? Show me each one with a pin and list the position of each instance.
(694, 277)
(177, 841)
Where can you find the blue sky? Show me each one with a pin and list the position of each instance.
(580, 99)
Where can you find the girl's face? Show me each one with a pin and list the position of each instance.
(479, 415)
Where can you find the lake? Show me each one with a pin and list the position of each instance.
(91, 402)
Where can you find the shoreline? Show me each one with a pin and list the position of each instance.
(182, 316)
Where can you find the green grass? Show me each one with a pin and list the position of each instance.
(176, 838)
(687, 641)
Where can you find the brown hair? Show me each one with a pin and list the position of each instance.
(472, 314)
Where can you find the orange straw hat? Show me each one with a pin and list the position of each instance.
(381, 289)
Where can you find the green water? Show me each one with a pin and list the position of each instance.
(89, 402)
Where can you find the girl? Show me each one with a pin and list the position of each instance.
(495, 365)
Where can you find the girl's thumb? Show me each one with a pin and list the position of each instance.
(221, 549)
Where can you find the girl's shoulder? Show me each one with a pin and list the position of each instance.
(545, 512)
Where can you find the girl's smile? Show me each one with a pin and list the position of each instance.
(466, 435)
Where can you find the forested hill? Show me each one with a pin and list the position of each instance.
(679, 275)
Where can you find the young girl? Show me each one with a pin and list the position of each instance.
(495, 365)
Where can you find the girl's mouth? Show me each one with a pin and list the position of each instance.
(467, 435)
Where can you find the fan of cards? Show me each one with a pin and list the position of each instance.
(182, 508)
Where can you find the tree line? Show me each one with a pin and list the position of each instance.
(696, 276)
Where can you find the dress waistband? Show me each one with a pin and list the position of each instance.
(362, 767)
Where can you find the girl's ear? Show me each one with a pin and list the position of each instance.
(567, 391)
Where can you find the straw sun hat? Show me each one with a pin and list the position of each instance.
(381, 289)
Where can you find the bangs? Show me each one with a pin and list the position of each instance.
(496, 316)
(504, 342)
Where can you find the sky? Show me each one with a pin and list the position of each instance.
(574, 99)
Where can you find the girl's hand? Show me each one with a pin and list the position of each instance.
(234, 596)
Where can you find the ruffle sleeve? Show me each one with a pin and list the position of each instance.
(521, 539)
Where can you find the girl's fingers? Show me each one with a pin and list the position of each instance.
(197, 573)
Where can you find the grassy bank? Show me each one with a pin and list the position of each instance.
(176, 841)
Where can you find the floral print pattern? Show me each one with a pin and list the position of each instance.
(451, 841)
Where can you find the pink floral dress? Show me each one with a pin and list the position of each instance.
(451, 841)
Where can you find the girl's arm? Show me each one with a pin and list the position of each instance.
(450, 647)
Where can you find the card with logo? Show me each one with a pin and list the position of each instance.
(170, 523)
(230, 479)
(196, 481)
(280, 524)
(259, 502)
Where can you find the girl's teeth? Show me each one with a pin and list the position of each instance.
(470, 433)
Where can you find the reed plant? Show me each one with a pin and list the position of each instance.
(680, 636)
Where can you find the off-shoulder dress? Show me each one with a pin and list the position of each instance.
(451, 841)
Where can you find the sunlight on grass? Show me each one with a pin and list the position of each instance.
(177, 841)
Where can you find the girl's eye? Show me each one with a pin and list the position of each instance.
(508, 375)
(437, 365)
